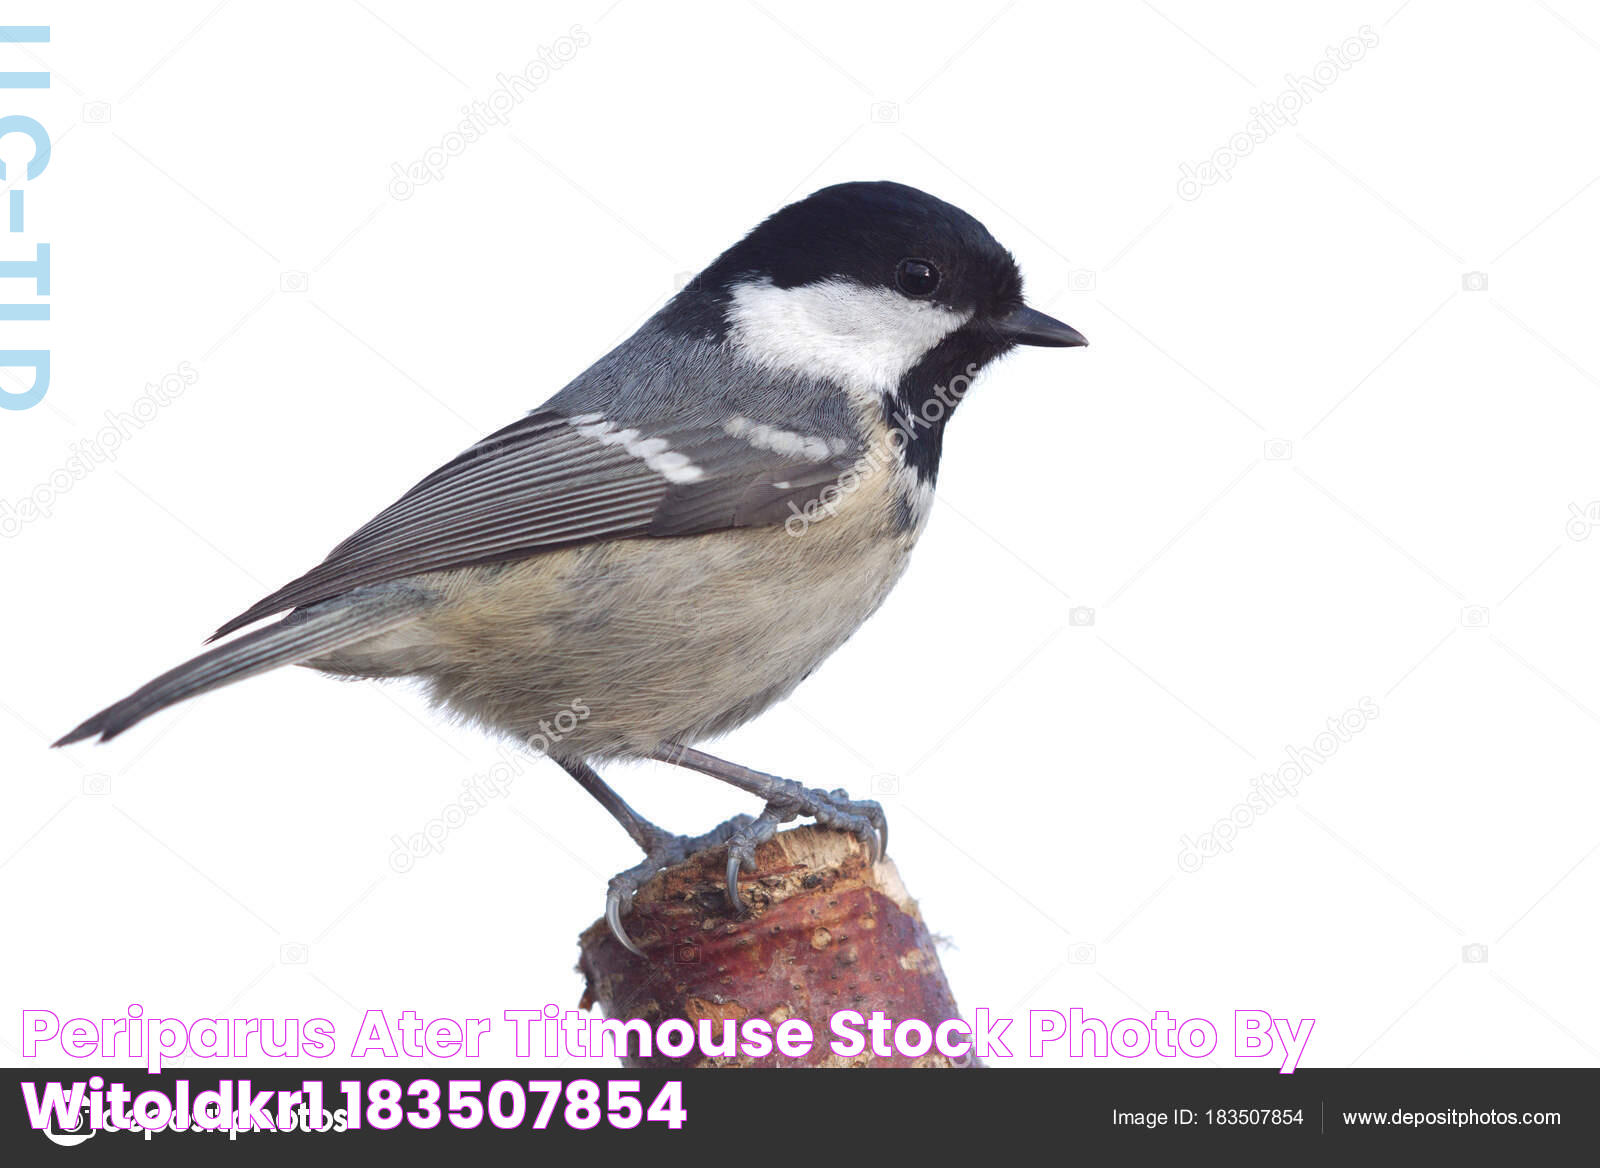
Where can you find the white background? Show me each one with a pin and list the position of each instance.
(229, 206)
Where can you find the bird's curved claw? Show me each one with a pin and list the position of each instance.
(863, 819)
(614, 910)
(664, 851)
(735, 862)
(743, 843)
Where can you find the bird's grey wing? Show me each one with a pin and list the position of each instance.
(551, 480)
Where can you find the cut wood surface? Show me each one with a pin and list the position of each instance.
(827, 930)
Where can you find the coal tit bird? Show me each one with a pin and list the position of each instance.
(681, 535)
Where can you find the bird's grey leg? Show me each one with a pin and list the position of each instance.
(786, 800)
(661, 848)
(640, 830)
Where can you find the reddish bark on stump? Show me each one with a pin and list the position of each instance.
(827, 930)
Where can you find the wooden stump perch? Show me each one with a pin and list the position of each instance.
(827, 930)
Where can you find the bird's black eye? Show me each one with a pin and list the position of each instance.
(916, 277)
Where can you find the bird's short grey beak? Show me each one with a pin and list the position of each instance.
(1027, 326)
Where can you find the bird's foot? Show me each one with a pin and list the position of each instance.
(863, 819)
(664, 850)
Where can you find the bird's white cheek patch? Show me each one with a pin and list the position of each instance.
(865, 339)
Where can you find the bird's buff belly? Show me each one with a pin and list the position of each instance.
(608, 650)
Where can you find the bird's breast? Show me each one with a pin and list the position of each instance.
(665, 639)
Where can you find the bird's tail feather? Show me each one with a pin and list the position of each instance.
(301, 636)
